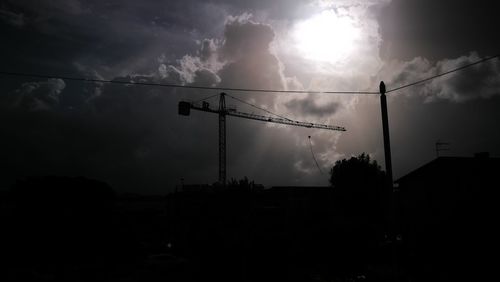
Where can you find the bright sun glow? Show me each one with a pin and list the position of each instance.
(326, 37)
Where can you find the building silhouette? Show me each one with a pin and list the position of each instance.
(276, 234)
(447, 214)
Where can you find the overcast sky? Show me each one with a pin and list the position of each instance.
(133, 138)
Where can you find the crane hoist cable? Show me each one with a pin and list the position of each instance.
(314, 157)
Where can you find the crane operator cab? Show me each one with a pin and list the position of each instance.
(184, 108)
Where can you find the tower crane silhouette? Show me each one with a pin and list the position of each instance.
(185, 108)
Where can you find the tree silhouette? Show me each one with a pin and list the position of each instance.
(359, 183)
(243, 183)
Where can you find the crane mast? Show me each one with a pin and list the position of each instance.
(185, 108)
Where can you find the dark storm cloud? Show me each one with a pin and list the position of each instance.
(100, 40)
(308, 106)
(12, 18)
(129, 136)
(47, 143)
(438, 29)
(114, 38)
(276, 9)
(36, 95)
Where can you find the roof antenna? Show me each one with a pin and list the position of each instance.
(441, 146)
(314, 157)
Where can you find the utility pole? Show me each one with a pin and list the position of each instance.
(222, 139)
(385, 128)
(389, 182)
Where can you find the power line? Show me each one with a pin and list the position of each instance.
(444, 73)
(74, 78)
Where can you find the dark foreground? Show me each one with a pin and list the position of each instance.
(203, 233)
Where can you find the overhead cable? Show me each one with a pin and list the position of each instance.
(199, 87)
(74, 78)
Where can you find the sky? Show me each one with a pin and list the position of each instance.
(132, 137)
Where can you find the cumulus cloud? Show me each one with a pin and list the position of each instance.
(208, 52)
(248, 59)
(206, 77)
(480, 81)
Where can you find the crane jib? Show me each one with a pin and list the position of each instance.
(185, 107)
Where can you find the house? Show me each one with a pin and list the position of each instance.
(447, 212)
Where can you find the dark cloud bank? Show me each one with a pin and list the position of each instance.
(131, 136)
